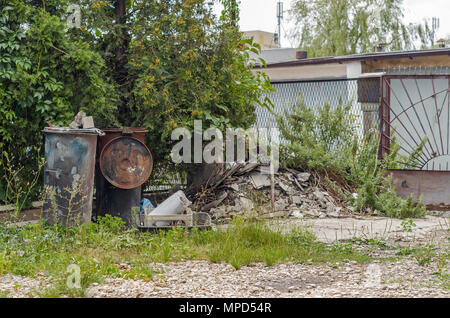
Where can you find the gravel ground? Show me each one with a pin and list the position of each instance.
(405, 278)
(21, 287)
(203, 279)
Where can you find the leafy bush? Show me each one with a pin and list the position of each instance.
(173, 62)
(322, 141)
(155, 64)
(325, 140)
(44, 76)
(111, 224)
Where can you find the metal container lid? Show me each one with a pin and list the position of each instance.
(67, 130)
(126, 162)
(127, 129)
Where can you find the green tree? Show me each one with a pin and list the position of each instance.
(44, 76)
(173, 62)
(340, 27)
(157, 64)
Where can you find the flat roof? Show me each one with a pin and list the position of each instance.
(362, 57)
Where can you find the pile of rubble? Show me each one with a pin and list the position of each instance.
(82, 121)
(247, 190)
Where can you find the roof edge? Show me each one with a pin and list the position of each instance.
(361, 57)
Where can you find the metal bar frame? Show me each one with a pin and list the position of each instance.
(385, 116)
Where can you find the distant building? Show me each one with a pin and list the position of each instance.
(266, 40)
(278, 55)
(293, 65)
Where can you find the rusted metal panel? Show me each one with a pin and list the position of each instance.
(434, 186)
(113, 133)
(124, 164)
(69, 175)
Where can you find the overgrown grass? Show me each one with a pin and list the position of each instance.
(106, 249)
(244, 243)
(4, 294)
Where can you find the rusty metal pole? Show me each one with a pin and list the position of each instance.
(272, 187)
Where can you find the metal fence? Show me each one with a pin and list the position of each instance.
(416, 110)
(363, 94)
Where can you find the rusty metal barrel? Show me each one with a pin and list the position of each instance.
(69, 174)
(123, 165)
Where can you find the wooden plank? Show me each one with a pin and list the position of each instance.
(6, 208)
(24, 223)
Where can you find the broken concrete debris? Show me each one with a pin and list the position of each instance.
(80, 124)
(259, 180)
(82, 121)
(245, 190)
(87, 122)
(297, 214)
(303, 177)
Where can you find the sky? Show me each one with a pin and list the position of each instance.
(261, 15)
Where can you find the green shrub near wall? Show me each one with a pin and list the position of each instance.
(325, 140)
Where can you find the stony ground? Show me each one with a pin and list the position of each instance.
(203, 279)
(400, 278)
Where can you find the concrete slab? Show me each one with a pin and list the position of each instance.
(333, 229)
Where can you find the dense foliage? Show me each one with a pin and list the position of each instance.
(155, 64)
(174, 62)
(40, 81)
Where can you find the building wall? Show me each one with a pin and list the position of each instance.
(264, 39)
(277, 55)
(319, 82)
(355, 69)
(305, 72)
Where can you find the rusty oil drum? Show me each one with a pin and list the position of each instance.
(124, 163)
(69, 174)
(124, 160)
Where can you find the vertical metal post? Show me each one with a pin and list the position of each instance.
(279, 17)
(384, 118)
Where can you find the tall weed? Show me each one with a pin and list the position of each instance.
(325, 140)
